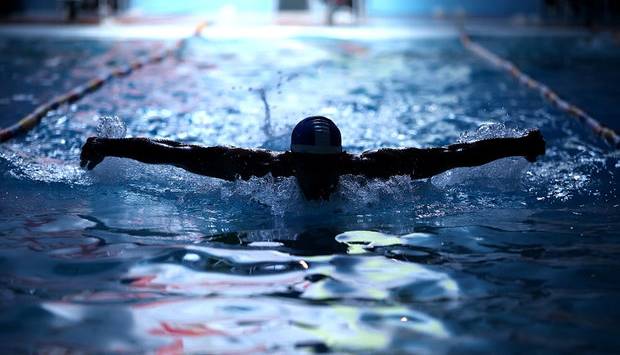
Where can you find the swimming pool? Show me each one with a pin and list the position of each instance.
(508, 257)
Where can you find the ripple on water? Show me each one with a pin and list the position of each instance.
(225, 324)
(222, 107)
(154, 258)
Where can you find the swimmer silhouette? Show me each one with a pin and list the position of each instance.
(316, 158)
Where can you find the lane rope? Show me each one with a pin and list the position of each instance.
(34, 118)
(606, 133)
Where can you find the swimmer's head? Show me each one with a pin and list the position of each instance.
(316, 135)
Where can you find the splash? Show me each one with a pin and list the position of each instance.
(489, 130)
(393, 106)
(111, 127)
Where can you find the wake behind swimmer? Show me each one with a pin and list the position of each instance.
(315, 159)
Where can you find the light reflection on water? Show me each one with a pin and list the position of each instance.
(131, 257)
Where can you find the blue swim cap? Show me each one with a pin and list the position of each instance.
(316, 135)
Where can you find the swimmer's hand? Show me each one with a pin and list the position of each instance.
(535, 145)
(92, 153)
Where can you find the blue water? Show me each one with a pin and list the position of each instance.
(510, 257)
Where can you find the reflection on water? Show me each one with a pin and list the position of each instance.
(134, 258)
(460, 282)
(247, 325)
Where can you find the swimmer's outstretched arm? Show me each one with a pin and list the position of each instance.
(424, 163)
(228, 163)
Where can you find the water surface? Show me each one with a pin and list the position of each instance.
(508, 257)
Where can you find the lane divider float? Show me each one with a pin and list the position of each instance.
(606, 133)
(34, 118)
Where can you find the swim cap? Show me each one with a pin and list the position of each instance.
(316, 135)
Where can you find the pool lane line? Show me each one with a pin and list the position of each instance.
(606, 133)
(34, 118)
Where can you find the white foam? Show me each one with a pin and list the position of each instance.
(111, 127)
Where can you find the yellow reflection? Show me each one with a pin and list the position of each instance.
(358, 241)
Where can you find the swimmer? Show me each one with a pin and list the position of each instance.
(316, 158)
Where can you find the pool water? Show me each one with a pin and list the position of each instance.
(507, 257)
